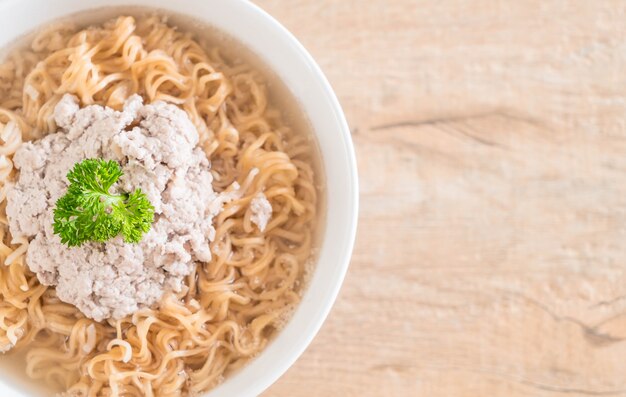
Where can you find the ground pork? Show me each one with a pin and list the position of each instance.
(156, 146)
(261, 211)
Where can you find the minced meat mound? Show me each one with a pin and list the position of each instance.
(156, 146)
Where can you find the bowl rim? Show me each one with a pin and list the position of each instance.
(292, 341)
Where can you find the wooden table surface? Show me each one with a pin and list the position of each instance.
(491, 142)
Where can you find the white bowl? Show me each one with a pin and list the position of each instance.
(294, 66)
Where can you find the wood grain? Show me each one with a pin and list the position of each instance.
(491, 142)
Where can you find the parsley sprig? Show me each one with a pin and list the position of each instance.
(90, 212)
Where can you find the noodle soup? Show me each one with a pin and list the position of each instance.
(256, 140)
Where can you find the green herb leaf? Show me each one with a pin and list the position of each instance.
(89, 211)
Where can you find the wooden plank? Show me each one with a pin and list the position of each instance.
(491, 141)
